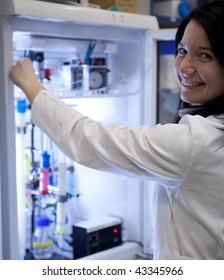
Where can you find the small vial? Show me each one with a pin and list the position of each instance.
(45, 173)
(42, 239)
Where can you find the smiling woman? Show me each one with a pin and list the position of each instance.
(199, 64)
(198, 71)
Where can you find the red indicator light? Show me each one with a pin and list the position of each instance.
(47, 73)
(115, 230)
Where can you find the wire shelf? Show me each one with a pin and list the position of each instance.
(96, 93)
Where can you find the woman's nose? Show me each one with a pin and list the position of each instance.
(187, 65)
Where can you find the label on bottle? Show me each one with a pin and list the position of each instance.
(43, 245)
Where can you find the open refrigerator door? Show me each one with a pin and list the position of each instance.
(160, 107)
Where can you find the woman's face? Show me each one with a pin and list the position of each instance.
(200, 76)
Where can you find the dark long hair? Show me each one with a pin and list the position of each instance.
(211, 18)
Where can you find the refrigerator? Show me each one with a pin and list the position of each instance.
(104, 64)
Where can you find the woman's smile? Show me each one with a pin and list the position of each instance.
(190, 84)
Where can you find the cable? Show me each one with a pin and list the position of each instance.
(141, 255)
(119, 82)
(63, 249)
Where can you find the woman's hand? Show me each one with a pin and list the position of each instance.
(23, 75)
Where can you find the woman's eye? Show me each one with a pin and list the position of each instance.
(181, 52)
(205, 56)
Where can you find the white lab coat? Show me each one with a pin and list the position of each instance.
(186, 159)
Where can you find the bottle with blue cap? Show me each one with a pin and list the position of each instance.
(21, 116)
(21, 106)
(44, 182)
(42, 239)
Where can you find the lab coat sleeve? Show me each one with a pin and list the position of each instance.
(160, 153)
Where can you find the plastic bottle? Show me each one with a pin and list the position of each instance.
(42, 239)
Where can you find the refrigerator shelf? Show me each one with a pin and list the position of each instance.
(99, 93)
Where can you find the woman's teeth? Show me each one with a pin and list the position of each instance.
(191, 84)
